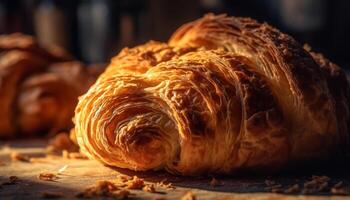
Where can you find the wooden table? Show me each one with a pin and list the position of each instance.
(82, 173)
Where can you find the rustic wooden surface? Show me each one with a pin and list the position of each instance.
(82, 173)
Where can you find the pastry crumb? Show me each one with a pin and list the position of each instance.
(47, 176)
(149, 188)
(316, 184)
(121, 180)
(15, 156)
(135, 183)
(165, 185)
(104, 189)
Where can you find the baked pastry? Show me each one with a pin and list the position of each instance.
(224, 94)
(39, 87)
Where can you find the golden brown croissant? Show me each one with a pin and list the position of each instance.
(224, 94)
(39, 87)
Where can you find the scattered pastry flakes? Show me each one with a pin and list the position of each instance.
(121, 180)
(165, 185)
(15, 156)
(51, 195)
(316, 184)
(149, 188)
(47, 176)
(188, 196)
(104, 189)
(135, 183)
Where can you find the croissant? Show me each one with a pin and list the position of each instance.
(225, 94)
(39, 87)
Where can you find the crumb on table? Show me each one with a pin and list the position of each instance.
(15, 156)
(48, 176)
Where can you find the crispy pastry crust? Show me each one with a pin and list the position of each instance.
(224, 94)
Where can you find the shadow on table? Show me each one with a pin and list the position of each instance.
(251, 182)
(25, 189)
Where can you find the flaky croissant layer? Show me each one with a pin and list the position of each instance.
(224, 94)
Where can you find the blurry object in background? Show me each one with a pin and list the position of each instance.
(96, 69)
(2, 17)
(212, 5)
(127, 30)
(28, 12)
(51, 24)
(303, 15)
(94, 30)
(340, 40)
(61, 142)
(167, 15)
(105, 26)
(39, 87)
(324, 24)
(306, 20)
(11, 16)
(94, 25)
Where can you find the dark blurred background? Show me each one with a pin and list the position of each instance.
(95, 30)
